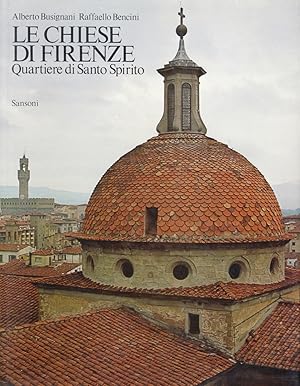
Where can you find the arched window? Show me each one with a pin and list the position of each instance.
(90, 263)
(274, 265)
(171, 105)
(186, 106)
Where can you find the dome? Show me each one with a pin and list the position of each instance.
(202, 192)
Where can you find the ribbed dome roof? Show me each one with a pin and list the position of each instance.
(205, 192)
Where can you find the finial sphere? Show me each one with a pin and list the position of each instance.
(181, 30)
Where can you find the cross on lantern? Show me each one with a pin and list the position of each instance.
(181, 15)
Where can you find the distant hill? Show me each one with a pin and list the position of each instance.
(60, 196)
(289, 212)
(288, 195)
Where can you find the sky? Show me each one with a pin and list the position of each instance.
(249, 97)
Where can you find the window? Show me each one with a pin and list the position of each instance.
(90, 263)
(171, 105)
(194, 324)
(127, 268)
(1, 258)
(151, 221)
(12, 257)
(181, 271)
(274, 265)
(186, 106)
(235, 270)
(293, 243)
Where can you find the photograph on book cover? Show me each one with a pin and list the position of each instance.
(149, 192)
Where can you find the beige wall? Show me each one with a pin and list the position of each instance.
(227, 326)
(294, 244)
(154, 268)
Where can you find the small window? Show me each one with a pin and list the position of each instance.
(12, 257)
(194, 324)
(274, 265)
(293, 243)
(181, 271)
(1, 258)
(235, 270)
(90, 263)
(151, 221)
(186, 106)
(171, 105)
(127, 268)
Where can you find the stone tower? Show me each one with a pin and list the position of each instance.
(23, 177)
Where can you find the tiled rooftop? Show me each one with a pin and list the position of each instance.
(205, 192)
(43, 252)
(20, 268)
(72, 250)
(218, 291)
(12, 247)
(292, 255)
(107, 347)
(19, 301)
(276, 342)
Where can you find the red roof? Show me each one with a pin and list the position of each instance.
(292, 217)
(12, 247)
(276, 342)
(72, 250)
(205, 192)
(107, 347)
(43, 252)
(19, 268)
(218, 291)
(19, 301)
(292, 255)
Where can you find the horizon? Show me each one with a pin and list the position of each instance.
(249, 96)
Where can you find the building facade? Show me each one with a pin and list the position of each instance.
(10, 252)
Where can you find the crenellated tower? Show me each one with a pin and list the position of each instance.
(23, 177)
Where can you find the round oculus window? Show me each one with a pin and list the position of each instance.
(235, 270)
(181, 271)
(127, 268)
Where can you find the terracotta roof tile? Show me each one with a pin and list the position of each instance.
(184, 175)
(20, 268)
(219, 291)
(72, 250)
(19, 302)
(43, 252)
(107, 347)
(292, 255)
(276, 342)
(12, 247)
